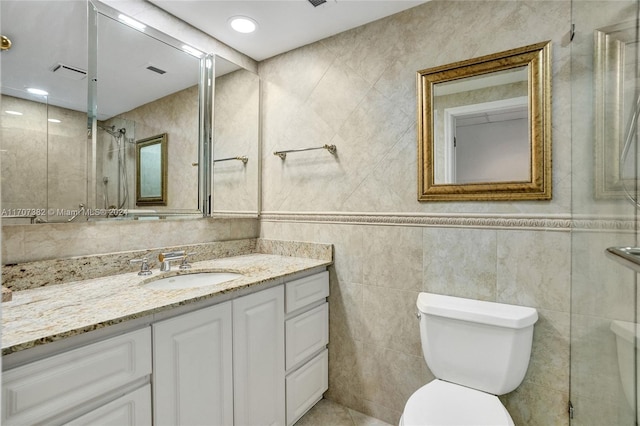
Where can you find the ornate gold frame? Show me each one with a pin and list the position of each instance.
(162, 199)
(537, 57)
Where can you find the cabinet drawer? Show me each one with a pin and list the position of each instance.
(132, 409)
(306, 334)
(302, 292)
(306, 385)
(34, 392)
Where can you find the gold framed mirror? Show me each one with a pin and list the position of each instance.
(484, 127)
(151, 171)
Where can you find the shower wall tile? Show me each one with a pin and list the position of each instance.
(604, 287)
(595, 373)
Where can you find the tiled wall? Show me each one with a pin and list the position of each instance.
(357, 90)
(236, 133)
(177, 116)
(27, 243)
(44, 164)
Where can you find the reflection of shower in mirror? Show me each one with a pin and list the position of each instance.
(115, 160)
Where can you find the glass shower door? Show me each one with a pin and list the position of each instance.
(604, 297)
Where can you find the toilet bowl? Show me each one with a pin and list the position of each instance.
(476, 350)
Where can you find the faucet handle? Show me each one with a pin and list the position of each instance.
(144, 266)
(185, 263)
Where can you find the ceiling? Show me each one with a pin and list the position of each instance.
(46, 33)
(283, 25)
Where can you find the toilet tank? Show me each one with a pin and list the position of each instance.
(481, 345)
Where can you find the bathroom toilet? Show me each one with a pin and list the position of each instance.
(476, 350)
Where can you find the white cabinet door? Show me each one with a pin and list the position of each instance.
(132, 409)
(192, 368)
(258, 364)
(38, 391)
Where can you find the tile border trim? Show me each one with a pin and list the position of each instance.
(561, 222)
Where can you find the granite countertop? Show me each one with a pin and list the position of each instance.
(46, 314)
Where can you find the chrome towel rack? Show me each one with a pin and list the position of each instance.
(283, 154)
(243, 158)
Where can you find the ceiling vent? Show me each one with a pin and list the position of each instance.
(155, 69)
(68, 71)
(317, 3)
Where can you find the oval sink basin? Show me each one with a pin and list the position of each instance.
(199, 279)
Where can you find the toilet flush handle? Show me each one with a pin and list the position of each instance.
(418, 315)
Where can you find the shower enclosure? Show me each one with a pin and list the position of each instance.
(604, 296)
(115, 165)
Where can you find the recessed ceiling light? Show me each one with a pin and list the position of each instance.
(53, 120)
(132, 22)
(242, 24)
(35, 91)
(13, 112)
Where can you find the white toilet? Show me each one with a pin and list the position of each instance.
(476, 350)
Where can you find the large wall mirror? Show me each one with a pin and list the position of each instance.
(484, 128)
(236, 129)
(62, 156)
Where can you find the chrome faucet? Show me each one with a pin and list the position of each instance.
(166, 258)
(144, 266)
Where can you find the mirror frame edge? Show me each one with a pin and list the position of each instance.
(205, 107)
(537, 57)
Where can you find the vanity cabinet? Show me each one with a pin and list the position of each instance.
(131, 409)
(258, 364)
(257, 359)
(192, 365)
(307, 336)
(222, 365)
(75, 383)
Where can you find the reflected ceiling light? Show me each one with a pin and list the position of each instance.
(53, 120)
(191, 51)
(242, 24)
(132, 22)
(13, 112)
(35, 91)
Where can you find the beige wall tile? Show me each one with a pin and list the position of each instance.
(534, 269)
(460, 262)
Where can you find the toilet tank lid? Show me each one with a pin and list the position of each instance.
(491, 313)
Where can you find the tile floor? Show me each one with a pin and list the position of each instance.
(329, 413)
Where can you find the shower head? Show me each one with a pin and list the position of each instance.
(111, 130)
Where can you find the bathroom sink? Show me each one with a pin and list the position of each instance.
(199, 279)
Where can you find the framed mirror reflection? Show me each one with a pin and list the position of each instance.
(484, 127)
(151, 171)
(616, 99)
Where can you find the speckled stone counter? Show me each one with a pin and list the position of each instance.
(54, 312)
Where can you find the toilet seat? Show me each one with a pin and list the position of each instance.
(446, 404)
